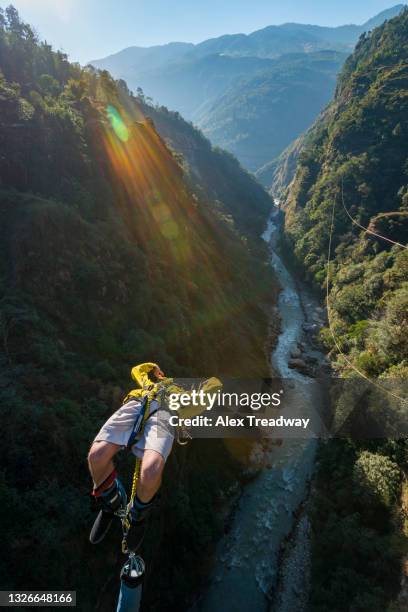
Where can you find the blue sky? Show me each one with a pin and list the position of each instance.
(90, 29)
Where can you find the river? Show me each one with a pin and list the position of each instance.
(246, 565)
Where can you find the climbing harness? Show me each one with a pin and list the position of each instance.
(133, 571)
(124, 513)
(142, 416)
(183, 436)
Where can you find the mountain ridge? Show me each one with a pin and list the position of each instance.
(213, 83)
(372, 22)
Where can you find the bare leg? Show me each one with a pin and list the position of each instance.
(100, 460)
(150, 475)
(110, 497)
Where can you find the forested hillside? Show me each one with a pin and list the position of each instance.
(114, 249)
(353, 169)
(260, 115)
(213, 173)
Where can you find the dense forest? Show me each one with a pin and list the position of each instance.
(123, 239)
(352, 174)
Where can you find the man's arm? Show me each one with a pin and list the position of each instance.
(209, 387)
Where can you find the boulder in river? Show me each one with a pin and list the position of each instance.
(298, 364)
(311, 360)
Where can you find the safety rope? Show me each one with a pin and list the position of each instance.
(349, 363)
(138, 462)
(135, 479)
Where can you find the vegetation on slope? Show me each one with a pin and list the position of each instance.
(260, 115)
(191, 85)
(113, 251)
(357, 155)
(214, 173)
(279, 173)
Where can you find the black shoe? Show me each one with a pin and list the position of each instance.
(139, 514)
(111, 502)
(101, 526)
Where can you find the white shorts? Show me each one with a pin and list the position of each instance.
(157, 434)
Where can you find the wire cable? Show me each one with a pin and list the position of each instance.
(365, 229)
(346, 359)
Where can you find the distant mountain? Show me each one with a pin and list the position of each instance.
(277, 174)
(268, 42)
(235, 87)
(191, 85)
(137, 59)
(135, 63)
(259, 116)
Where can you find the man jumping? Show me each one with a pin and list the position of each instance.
(153, 445)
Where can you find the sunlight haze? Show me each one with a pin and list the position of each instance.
(91, 29)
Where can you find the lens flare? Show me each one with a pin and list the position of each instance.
(163, 217)
(117, 123)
